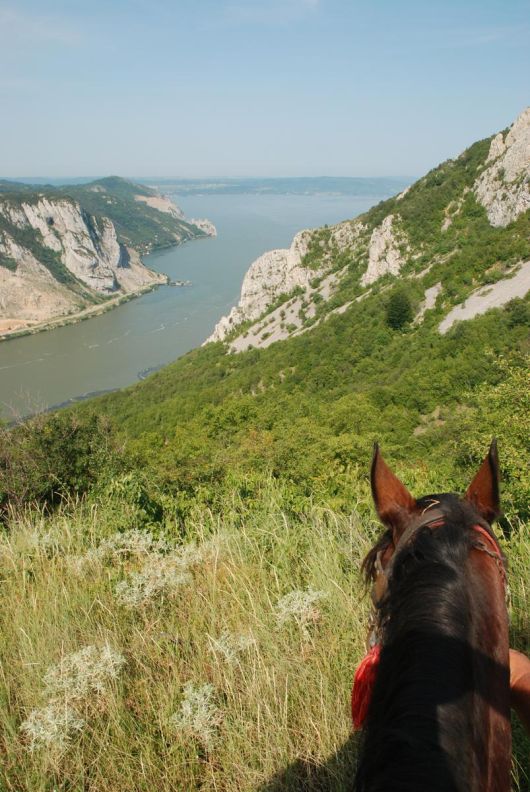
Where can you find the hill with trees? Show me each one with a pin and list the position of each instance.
(75, 250)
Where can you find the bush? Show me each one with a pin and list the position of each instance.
(51, 456)
(398, 310)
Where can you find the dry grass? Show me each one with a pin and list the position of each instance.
(223, 681)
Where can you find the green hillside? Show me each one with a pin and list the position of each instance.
(308, 409)
(137, 224)
(182, 604)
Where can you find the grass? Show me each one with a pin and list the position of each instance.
(224, 680)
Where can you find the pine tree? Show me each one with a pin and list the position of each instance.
(398, 310)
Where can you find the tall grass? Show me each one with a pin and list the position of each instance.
(217, 679)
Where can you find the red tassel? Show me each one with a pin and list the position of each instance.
(363, 685)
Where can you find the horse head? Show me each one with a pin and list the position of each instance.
(438, 717)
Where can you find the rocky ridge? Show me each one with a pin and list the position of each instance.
(58, 259)
(285, 292)
(504, 186)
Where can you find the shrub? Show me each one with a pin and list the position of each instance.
(398, 310)
(51, 456)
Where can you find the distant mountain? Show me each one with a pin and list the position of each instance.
(69, 249)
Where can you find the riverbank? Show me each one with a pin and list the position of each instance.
(81, 316)
(159, 279)
(109, 351)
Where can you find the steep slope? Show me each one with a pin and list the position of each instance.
(424, 233)
(63, 250)
(308, 408)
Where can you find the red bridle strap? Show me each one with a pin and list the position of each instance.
(492, 548)
(489, 539)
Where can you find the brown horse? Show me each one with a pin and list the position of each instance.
(439, 714)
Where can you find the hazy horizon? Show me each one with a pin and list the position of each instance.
(35, 179)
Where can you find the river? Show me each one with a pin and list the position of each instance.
(114, 349)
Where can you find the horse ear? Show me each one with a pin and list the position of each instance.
(393, 501)
(483, 492)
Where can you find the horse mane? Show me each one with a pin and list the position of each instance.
(419, 721)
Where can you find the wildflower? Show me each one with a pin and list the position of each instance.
(300, 606)
(198, 716)
(131, 543)
(194, 554)
(81, 565)
(90, 670)
(159, 576)
(229, 646)
(46, 543)
(52, 726)
(119, 546)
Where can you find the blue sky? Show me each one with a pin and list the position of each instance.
(201, 88)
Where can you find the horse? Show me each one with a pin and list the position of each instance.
(438, 718)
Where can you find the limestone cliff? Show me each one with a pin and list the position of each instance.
(88, 248)
(413, 237)
(503, 188)
(276, 272)
(64, 250)
(384, 254)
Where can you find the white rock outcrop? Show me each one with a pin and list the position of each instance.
(487, 297)
(162, 203)
(205, 225)
(87, 247)
(274, 273)
(384, 256)
(503, 188)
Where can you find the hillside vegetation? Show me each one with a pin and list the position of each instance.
(182, 604)
(214, 653)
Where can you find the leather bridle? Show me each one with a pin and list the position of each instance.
(430, 518)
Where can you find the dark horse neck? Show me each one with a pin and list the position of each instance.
(439, 717)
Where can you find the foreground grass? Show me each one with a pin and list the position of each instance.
(203, 673)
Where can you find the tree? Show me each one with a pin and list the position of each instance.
(398, 310)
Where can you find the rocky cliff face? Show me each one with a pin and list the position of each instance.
(276, 272)
(504, 186)
(29, 294)
(341, 266)
(87, 247)
(56, 259)
(384, 253)
(65, 249)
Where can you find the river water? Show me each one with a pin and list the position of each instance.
(114, 349)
